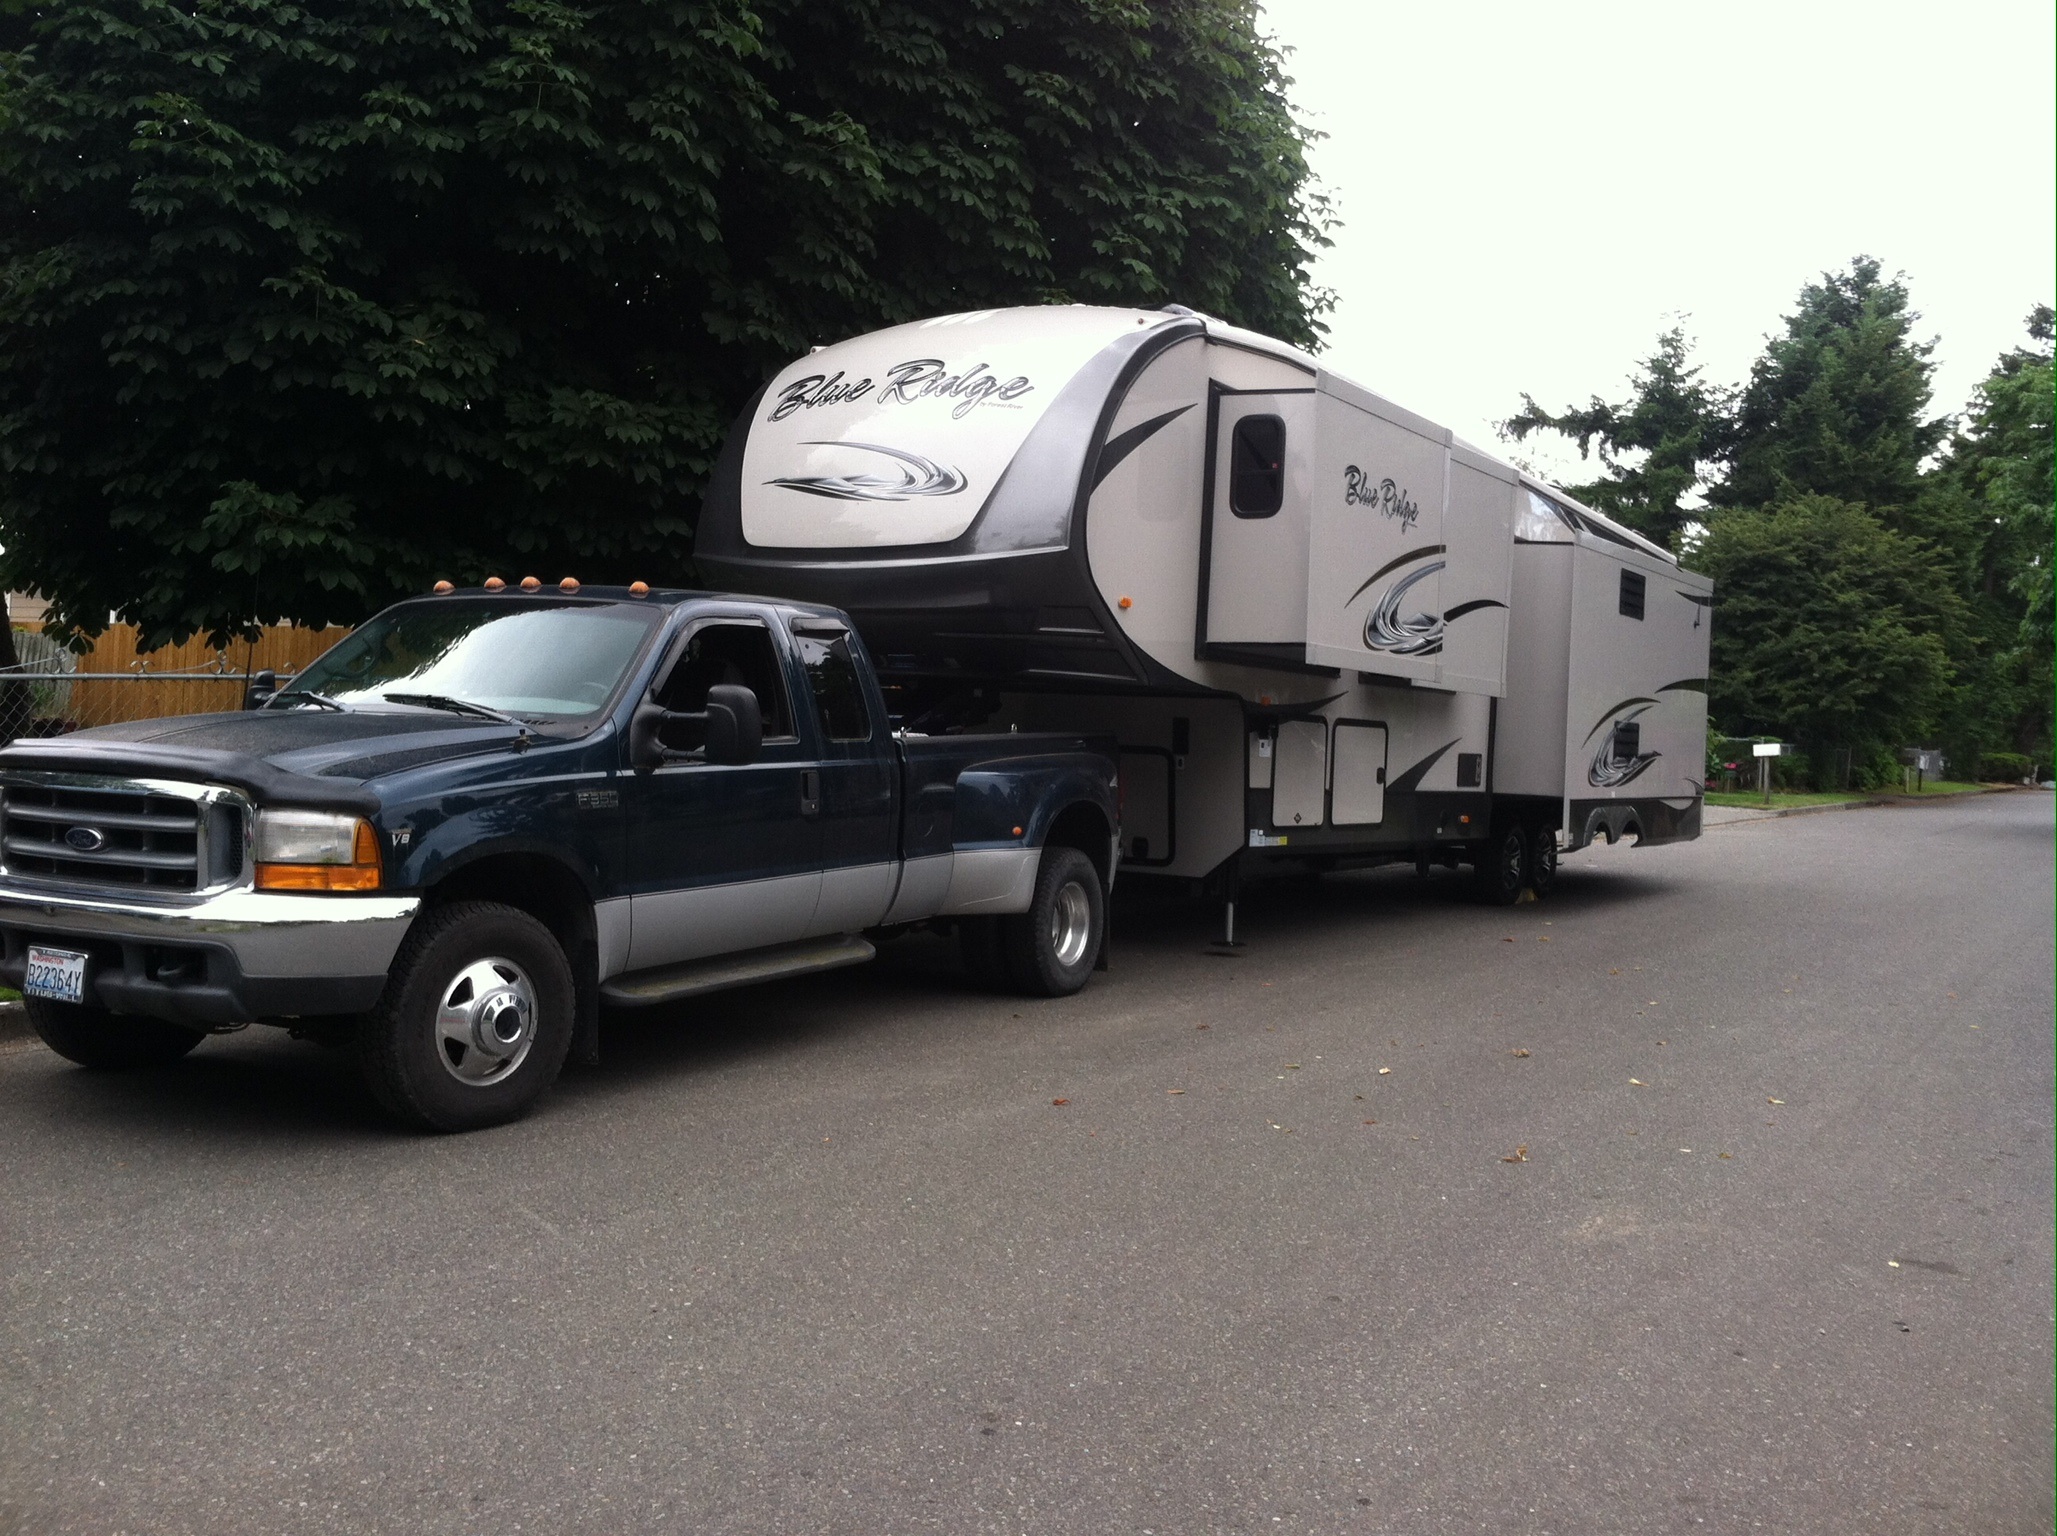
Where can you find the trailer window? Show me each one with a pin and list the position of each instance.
(1542, 521)
(1628, 741)
(838, 692)
(1257, 467)
(1631, 594)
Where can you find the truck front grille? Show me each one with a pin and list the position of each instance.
(80, 830)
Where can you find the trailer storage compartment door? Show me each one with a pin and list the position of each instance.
(1299, 774)
(1358, 797)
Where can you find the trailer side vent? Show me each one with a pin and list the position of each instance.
(1471, 769)
(1631, 594)
(1257, 467)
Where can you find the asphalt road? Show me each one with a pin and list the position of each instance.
(869, 1254)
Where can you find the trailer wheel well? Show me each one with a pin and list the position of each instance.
(1084, 826)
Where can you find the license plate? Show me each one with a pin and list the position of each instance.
(58, 974)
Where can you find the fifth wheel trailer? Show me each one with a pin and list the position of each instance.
(1326, 632)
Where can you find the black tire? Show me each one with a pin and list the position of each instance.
(108, 1042)
(1542, 860)
(1499, 867)
(978, 946)
(498, 974)
(1051, 948)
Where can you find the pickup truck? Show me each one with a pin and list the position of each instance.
(455, 835)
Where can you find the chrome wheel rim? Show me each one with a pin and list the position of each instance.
(1071, 925)
(485, 1021)
(1510, 860)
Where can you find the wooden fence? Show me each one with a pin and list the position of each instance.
(141, 693)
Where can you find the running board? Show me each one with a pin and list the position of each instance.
(719, 973)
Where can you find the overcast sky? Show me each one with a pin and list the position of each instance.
(1528, 193)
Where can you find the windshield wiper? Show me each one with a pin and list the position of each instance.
(443, 701)
(321, 699)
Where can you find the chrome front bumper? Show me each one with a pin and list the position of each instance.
(223, 958)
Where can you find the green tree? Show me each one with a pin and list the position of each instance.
(302, 306)
(1655, 448)
(1995, 483)
(1831, 629)
(1834, 407)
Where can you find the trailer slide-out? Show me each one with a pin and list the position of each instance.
(1326, 632)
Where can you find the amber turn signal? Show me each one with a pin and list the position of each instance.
(639, 589)
(442, 587)
(530, 584)
(569, 584)
(494, 584)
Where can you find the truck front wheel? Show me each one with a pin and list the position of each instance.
(111, 1042)
(475, 1022)
(1050, 949)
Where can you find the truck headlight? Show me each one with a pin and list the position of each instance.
(315, 851)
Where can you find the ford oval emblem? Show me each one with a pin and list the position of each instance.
(86, 839)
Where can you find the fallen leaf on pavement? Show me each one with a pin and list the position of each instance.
(1507, 941)
(1203, 1026)
(1385, 1071)
(1060, 1101)
(1520, 1156)
(1892, 1263)
(1774, 1101)
(1543, 938)
(1371, 1122)
(1292, 1066)
(1728, 1156)
(1517, 1053)
(1174, 1090)
(1615, 972)
(1637, 1082)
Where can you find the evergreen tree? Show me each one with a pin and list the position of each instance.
(1654, 448)
(1996, 484)
(303, 306)
(1835, 406)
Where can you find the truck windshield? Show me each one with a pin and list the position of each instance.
(544, 660)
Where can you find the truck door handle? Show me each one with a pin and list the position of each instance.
(810, 791)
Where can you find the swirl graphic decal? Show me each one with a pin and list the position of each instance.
(910, 476)
(1418, 635)
(1612, 766)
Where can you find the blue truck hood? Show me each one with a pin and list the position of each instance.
(297, 757)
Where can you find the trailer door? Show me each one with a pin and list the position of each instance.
(1253, 586)
(1358, 798)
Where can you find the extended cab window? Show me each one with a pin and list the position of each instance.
(838, 692)
(728, 653)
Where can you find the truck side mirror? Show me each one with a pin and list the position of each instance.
(735, 725)
(733, 721)
(261, 689)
